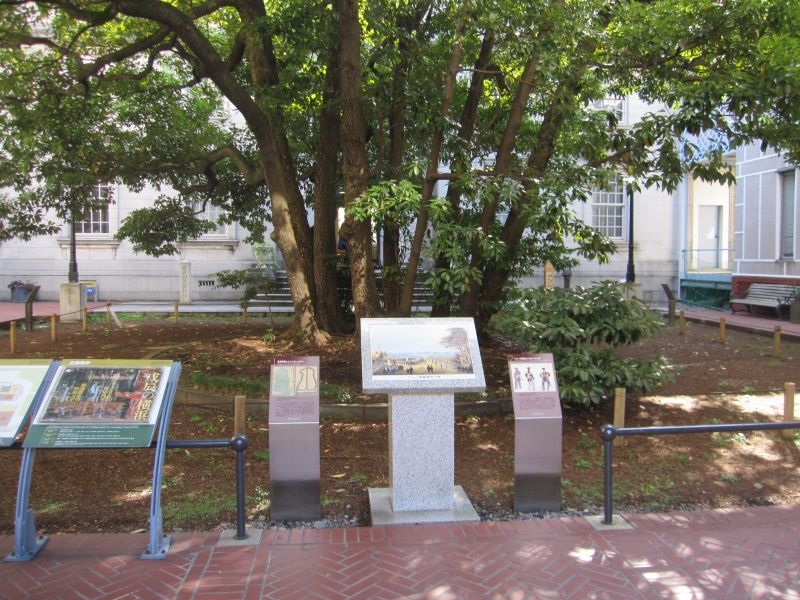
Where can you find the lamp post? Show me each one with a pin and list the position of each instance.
(72, 275)
(630, 273)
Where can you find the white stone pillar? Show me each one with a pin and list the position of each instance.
(72, 298)
(186, 280)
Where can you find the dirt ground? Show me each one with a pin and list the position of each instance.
(109, 490)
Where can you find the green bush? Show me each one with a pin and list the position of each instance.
(580, 327)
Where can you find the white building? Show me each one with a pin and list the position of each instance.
(117, 272)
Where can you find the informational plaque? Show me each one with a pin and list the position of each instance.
(534, 389)
(294, 389)
(409, 355)
(294, 470)
(20, 380)
(101, 404)
(537, 432)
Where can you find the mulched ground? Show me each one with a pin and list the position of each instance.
(93, 490)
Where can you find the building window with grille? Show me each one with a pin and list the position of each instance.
(96, 220)
(211, 213)
(787, 216)
(613, 104)
(608, 209)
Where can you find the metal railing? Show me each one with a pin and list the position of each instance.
(609, 433)
(708, 260)
(238, 443)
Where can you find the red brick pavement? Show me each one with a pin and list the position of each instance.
(741, 553)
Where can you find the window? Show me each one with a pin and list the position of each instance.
(96, 220)
(787, 214)
(608, 208)
(211, 213)
(613, 104)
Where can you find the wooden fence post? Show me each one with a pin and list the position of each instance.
(85, 319)
(619, 413)
(175, 313)
(682, 323)
(722, 332)
(239, 414)
(788, 409)
(12, 337)
(776, 346)
(53, 327)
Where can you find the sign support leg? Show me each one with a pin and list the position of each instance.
(26, 544)
(159, 544)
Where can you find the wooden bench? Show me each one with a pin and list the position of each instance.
(769, 295)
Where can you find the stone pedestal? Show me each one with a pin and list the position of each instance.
(421, 451)
(72, 297)
(420, 364)
(186, 279)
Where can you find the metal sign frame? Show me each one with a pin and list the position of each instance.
(27, 545)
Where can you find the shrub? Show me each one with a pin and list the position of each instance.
(580, 327)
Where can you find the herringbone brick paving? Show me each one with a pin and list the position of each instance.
(751, 553)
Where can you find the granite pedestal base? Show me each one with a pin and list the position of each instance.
(380, 505)
(421, 451)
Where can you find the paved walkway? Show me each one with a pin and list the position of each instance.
(726, 554)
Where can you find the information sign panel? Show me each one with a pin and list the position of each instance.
(294, 389)
(101, 404)
(412, 355)
(534, 388)
(19, 382)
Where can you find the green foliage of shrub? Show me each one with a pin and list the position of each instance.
(580, 327)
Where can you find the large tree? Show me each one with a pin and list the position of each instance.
(371, 99)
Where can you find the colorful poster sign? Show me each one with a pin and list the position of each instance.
(101, 403)
(534, 388)
(19, 382)
(294, 389)
(420, 354)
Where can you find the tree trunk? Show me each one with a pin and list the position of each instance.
(495, 278)
(433, 166)
(358, 235)
(325, 178)
(444, 300)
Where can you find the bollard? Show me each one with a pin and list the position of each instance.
(788, 409)
(619, 413)
(239, 444)
(722, 336)
(239, 415)
(53, 322)
(85, 320)
(175, 314)
(12, 337)
(682, 323)
(776, 346)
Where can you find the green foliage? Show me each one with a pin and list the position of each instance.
(580, 327)
(254, 282)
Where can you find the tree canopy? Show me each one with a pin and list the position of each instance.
(361, 105)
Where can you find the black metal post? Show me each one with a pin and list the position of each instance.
(608, 433)
(239, 444)
(72, 275)
(630, 273)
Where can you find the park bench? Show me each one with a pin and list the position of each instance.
(768, 295)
